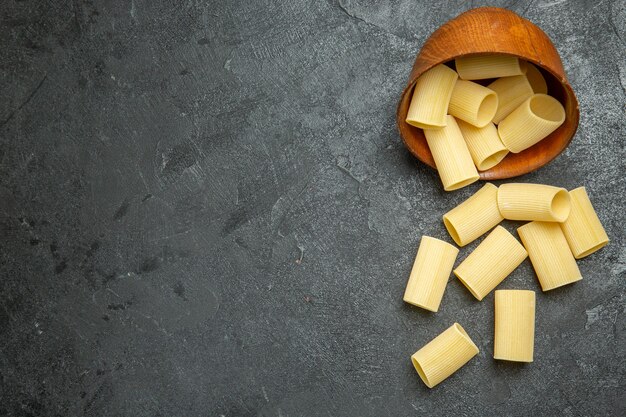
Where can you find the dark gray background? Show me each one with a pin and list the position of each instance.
(206, 209)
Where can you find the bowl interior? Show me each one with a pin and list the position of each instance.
(513, 164)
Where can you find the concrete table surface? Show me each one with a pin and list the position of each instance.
(206, 210)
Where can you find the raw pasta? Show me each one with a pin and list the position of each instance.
(533, 202)
(431, 96)
(536, 80)
(452, 158)
(492, 261)
(484, 144)
(444, 355)
(531, 122)
(473, 103)
(431, 270)
(480, 67)
(511, 91)
(550, 254)
(475, 216)
(582, 229)
(514, 336)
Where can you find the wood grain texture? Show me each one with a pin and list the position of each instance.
(495, 30)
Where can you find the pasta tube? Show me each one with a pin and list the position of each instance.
(532, 121)
(444, 355)
(533, 202)
(431, 96)
(475, 216)
(484, 144)
(536, 80)
(550, 255)
(511, 91)
(429, 276)
(492, 261)
(473, 103)
(514, 336)
(582, 229)
(480, 67)
(452, 158)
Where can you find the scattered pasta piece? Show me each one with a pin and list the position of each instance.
(550, 254)
(491, 262)
(431, 96)
(444, 355)
(517, 201)
(514, 336)
(582, 229)
(475, 216)
(429, 276)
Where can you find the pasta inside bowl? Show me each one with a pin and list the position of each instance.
(487, 109)
(547, 108)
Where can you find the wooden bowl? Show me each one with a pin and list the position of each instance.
(488, 30)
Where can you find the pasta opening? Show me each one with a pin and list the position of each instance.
(560, 205)
(547, 108)
(458, 327)
(462, 183)
(474, 293)
(487, 110)
(592, 249)
(492, 160)
(452, 230)
(420, 372)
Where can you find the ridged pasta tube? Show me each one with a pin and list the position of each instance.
(550, 254)
(491, 262)
(473, 103)
(444, 355)
(452, 158)
(484, 144)
(475, 216)
(536, 80)
(431, 96)
(511, 91)
(531, 122)
(514, 336)
(480, 67)
(429, 276)
(582, 229)
(533, 202)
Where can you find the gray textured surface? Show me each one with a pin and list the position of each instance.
(206, 209)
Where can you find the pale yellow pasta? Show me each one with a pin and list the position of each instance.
(536, 80)
(452, 158)
(429, 276)
(444, 355)
(480, 67)
(475, 216)
(484, 144)
(533, 202)
(514, 336)
(532, 121)
(582, 229)
(492, 261)
(473, 103)
(511, 91)
(550, 254)
(431, 96)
